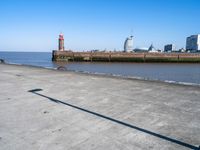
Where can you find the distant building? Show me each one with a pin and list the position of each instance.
(193, 43)
(169, 48)
(128, 44)
(61, 42)
(182, 50)
(141, 50)
(152, 49)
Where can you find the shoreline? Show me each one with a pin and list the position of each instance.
(110, 75)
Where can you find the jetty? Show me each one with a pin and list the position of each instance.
(50, 109)
(65, 56)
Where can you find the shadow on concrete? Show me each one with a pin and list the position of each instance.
(118, 121)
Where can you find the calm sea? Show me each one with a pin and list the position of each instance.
(169, 72)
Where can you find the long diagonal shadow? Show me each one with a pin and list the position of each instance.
(118, 121)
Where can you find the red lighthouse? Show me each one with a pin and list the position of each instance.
(61, 42)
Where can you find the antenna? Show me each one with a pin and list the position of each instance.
(131, 32)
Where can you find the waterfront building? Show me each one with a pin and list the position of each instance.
(193, 43)
(152, 49)
(169, 48)
(141, 50)
(61, 42)
(182, 50)
(128, 44)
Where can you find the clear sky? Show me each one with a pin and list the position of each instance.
(34, 25)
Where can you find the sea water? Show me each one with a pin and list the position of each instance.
(183, 73)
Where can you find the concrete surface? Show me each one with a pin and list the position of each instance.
(43, 109)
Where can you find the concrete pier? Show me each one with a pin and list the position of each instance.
(125, 57)
(44, 109)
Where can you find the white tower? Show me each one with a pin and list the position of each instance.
(128, 44)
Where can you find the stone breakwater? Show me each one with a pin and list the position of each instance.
(125, 57)
(48, 109)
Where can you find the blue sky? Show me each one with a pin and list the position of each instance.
(34, 25)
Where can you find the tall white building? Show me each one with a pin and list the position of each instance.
(128, 44)
(193, 43)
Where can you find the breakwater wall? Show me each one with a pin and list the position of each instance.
(124, 57)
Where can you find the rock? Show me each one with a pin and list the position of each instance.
(45, 112)
(2, 61)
